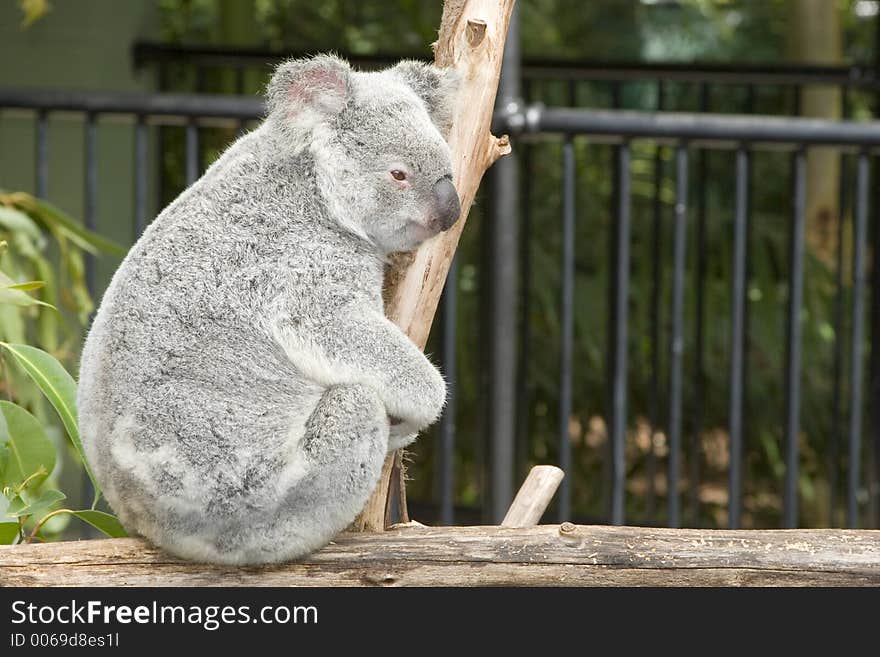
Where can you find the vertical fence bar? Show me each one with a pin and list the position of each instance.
(567, 323)
(700, 322)
(192, 151)
(608, 482)
(140, 176)
(873, 373)
(163, 84)
(737, 343)
(837, 366)
(42, 155)
(654, 311)
(503, 310)
(523, 373)
(447, 425)
(860, 238)
(745, 418)
(677, 339)
(793, 342)
(837, 356)
(621, 314)
(91, 191)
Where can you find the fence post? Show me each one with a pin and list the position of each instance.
(503, 252)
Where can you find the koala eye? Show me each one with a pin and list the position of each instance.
(399, 175)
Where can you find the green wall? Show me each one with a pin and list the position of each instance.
(78, 45)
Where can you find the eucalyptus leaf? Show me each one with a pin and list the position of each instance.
(23, 243)
(48, 497)
(4, 504)
(28, 286)
(103, 522)
(52, 217)
(12, 326)
(49, 325)
(13, 294)
(58, 387)
(78, 287)
(18, 298)
(16, 221)
(29, 447)
(8, 532)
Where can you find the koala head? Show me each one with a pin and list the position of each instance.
(378, 140)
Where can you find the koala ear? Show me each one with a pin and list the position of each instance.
(435, 86)
(307, 91)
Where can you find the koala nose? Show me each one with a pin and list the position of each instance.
(447, 207)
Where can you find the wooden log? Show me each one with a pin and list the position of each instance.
(533, 496)
(547, 555)
(471, 40)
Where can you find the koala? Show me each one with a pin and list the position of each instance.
(240, 385)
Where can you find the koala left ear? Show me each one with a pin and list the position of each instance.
(435, 86)
(309, 90)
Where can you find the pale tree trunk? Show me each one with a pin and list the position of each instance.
(815, 38)
(471, 40)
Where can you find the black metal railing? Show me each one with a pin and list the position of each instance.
(539, 74)
(689, 133)
(153, 54)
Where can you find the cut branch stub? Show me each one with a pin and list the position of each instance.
(533, 497)
(475, 31)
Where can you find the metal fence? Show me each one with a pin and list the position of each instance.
(689, 134)
(507, 338)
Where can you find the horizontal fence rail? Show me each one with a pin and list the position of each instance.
(202, 106)
(674, 127)
(146, 53)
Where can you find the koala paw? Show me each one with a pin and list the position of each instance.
(400, 434)
(435, 395)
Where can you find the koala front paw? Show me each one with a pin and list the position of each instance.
(416, 395)
(400, 434)
(434, 395)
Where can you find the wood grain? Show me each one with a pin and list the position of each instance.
(546, 555)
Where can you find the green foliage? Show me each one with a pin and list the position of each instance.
(27, 455)
(104, 522)
(59, 388)
(33, 235)
(38, 235)
(30, 455)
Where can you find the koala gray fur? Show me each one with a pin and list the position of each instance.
(238, 382)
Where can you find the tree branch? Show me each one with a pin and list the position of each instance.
(471, 40)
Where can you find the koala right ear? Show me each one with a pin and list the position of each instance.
(307, 91)
(435, 86)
